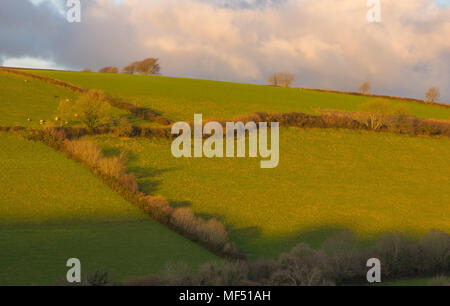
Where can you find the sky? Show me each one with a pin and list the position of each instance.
(324, 43)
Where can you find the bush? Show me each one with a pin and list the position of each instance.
(212, 232)
(184, 219)
(124, 129)
(302, 266)
(92, 108)
(158, 207)
(129, 181)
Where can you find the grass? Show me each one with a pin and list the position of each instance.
(24, 98)
(179, 98)
(327, 180)
(52, 209)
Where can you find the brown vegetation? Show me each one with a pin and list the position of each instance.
(109, 69)
(283, 79)
(340, 261)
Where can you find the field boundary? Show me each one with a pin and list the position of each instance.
(353, 93)
(138, 111)
(358, 121)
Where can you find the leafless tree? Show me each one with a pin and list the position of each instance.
(283, 79)
(364, 88)
(432, 95)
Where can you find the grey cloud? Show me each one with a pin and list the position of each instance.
(327, 44)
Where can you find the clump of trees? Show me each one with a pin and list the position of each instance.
(283, 79)
(364, 88)
(149, 66)
(109, 69)
(90, 108)
(432, 95)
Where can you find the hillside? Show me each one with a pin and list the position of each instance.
(53, 209)
(178, 98)
(328, 180)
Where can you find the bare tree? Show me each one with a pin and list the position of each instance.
(432, 95)
(86, 70)
(109, 69)
(364, 88)
(273, 80)
(283, 79)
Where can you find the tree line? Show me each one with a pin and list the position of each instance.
(148, 66)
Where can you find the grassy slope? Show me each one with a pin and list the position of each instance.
(179, 98)
(22, 98)
(52, 209)
(327, 179)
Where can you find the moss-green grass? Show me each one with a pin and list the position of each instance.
(52, 209)
(179, 98)
(23, 98)
(327, 180)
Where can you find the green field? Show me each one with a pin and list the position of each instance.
(52, 209)
(326, 180)
(22, 98)
(179, 99)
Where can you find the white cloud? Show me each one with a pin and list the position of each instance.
(326, 43)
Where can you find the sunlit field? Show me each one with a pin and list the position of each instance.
(53, 209)
(179, 99)
(24, 98)
(327, 180)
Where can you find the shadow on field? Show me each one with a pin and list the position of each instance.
(258, 247)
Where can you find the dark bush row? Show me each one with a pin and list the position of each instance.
(356, 121)
(340, 261)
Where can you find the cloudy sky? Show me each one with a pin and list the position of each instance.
(325, 43)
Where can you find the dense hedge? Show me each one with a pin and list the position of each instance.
(340, 261)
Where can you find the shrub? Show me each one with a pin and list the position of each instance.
(340, 254)
(230, 273)
(112, 166)
(401, 110)
(85, 150)
(212, 232)
(184, 219)
(92, 108)
(158, 207)
(399, 256)
(124, 129)
(302, 266)
(129, 181)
